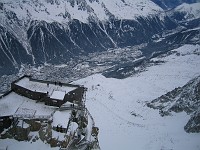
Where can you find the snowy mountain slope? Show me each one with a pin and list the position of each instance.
(186, 12)
(184, 98)
(55, 31)
(191, 10)
(65, 10)
(169, 4)
(120, 111)
(12, 52)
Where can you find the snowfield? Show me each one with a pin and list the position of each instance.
(14, 145)
(119, 106)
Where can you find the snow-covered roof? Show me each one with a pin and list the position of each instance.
(10, 103)
(58, 95)
(61, 118)
(56, 91)
(16, 104)
(25, 111)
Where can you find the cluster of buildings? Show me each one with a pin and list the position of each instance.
(32, 103)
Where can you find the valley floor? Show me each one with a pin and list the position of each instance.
(119, 106)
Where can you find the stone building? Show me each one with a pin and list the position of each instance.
(51, 93)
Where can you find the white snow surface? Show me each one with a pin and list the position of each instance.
(63, 11)
(58, 135)
(58, 95)
(130, 9)
(11, 144)
(61, 118)
(119, 109)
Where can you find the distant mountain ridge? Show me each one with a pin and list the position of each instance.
(169, 4)
(55, 31)
(63, 11)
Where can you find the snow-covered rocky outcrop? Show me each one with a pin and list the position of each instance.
(185, 98)
(169, 4)
(186, 13)
(193, 125)
(190, 11)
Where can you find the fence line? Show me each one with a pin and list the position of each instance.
(32, 116)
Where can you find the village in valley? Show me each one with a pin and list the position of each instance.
(52, 112)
